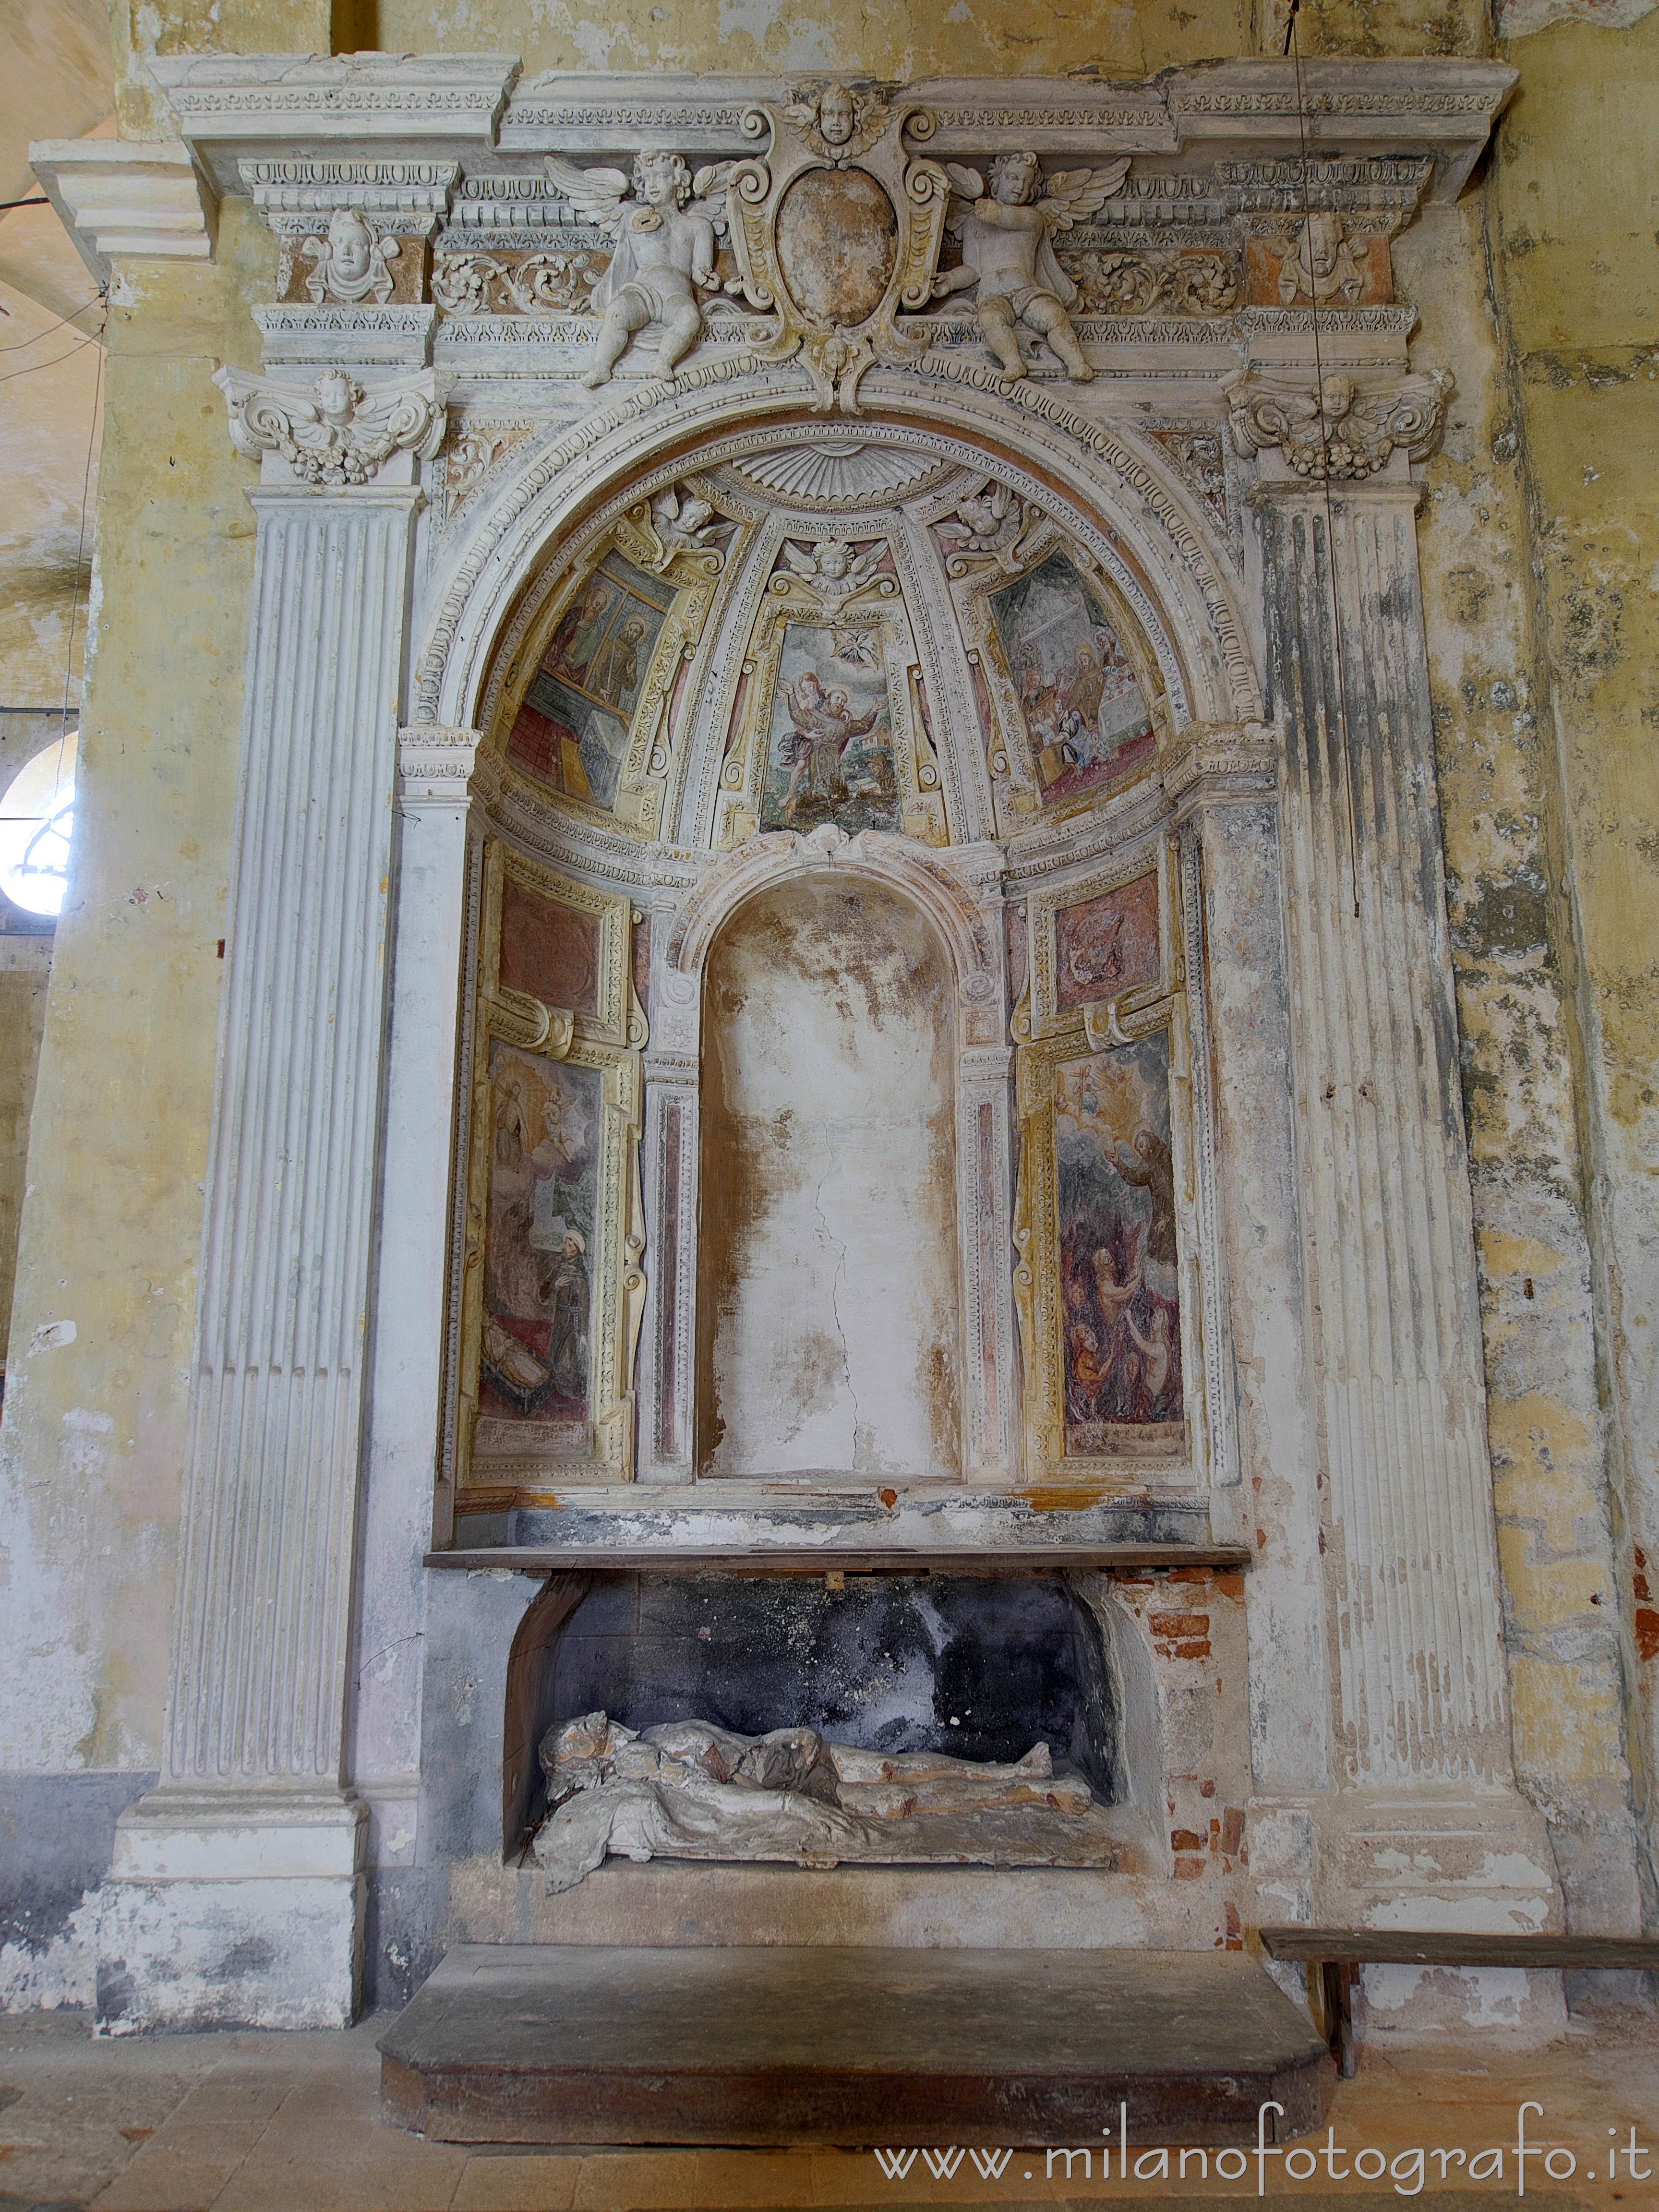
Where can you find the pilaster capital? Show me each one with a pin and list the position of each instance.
(1337, 429)
(335, 431)
(1224, 766)
(114, 196)
(434, 764)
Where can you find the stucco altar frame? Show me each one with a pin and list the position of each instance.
(1346, 1443)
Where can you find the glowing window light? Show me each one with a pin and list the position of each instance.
(37, 820)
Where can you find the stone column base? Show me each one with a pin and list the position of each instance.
(233, 1909)
(1444, 1861)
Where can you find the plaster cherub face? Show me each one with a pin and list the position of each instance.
(1013, 179)
(658, 177)
(1322, 243)
(837, 117)
(336, 395)
(350, 245)
(832, 560)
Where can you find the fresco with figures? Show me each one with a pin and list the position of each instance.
(538, 1328)
(1085, 715)
(1107, 946)
(572, 729)
(1118, 1256)
(830, 744)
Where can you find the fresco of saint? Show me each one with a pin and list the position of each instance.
(830, 748)
(1119, 1253)
(538, 1328)
(572, 730)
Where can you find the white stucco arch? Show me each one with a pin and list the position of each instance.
(1120, 492)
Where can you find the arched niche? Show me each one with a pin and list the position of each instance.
(829, 1285)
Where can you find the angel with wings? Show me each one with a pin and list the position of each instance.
(664, 250)
(836, 571)
(1007, 250)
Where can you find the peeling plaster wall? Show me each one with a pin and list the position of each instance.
(828, 1242)
(1537, 541)
(25, 964)
(1575, 205)
(93, 1434)
(898, 40)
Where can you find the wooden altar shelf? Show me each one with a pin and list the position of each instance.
(1032, 1558)
(776, 2045)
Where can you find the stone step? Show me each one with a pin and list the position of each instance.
(798, 2045)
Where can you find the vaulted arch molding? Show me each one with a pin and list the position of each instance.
(1116, 489)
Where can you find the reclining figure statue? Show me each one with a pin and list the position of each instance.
(690, 1789)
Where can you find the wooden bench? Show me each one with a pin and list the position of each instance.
(1333, 1956)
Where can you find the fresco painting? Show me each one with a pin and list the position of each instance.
(1107, 946)
(1118, 1253)
(1085, 714)
(537, 1321)
(572, 729)
(549, 949)
(830, 746)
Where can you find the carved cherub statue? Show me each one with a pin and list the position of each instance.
(664, 252)
(351, 262)
(1007, 250)
(834, 570)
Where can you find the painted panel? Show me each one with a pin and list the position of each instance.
(549, 949)
(1115, 1183)
(536, 1370)
(572, 730)
(830, 744)
(1085, 715)
(1108, 946)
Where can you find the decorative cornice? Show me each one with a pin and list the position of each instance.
(1218, 766)
(435, 763)
(235, 103)
(405, 200)
(115, 197)
(390, 337)
(1337, 429)
(335, 434)
(1354, 113)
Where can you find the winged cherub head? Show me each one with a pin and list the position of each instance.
(837, 116)
(1014, 179)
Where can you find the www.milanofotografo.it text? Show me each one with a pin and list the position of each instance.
(1529, 2157)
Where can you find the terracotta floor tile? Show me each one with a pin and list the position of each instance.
(326, 2184)
(728, 2179)
(527, 2182)
(637, 2181)
(156, 2182)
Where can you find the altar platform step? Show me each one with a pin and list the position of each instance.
(821, 2045)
